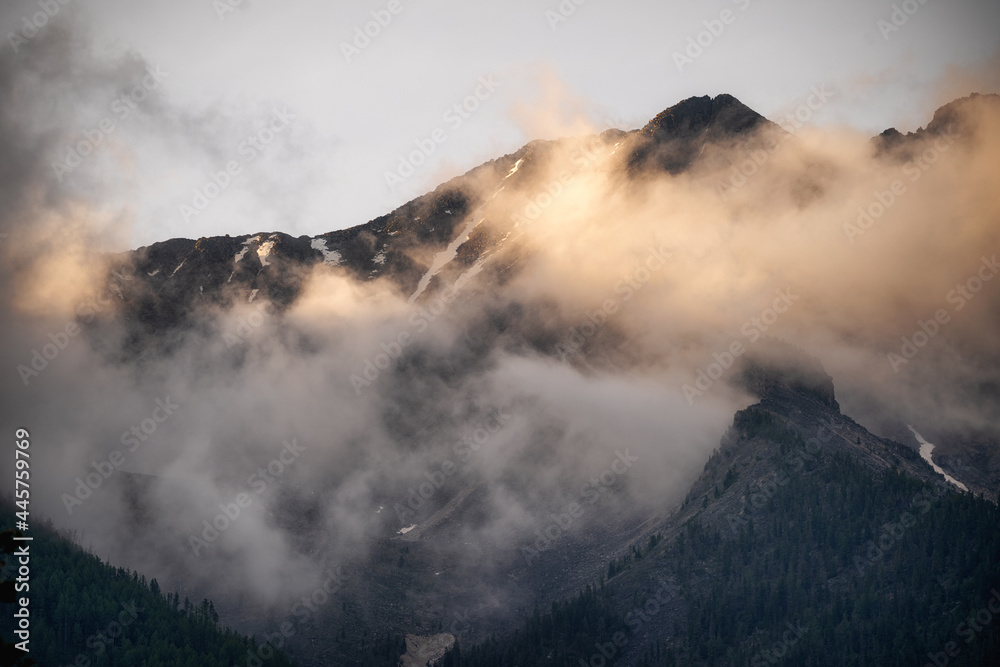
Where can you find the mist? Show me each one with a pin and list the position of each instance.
(604, 327)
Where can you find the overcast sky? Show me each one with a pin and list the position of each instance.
(351, 105)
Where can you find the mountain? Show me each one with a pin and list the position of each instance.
(163, 282)
(673, 139)
(465, 231)
(802, 521)
(952, 117)
(159, 284)
(806, 539)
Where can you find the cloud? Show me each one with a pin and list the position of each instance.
(555, 110)
(610, 291)
(959, 80)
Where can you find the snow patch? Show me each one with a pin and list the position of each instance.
(246, 248)
(153, 273)
(404, 531)
(925, 453)
(253, 295)
(444, 257)
(178, 267)
(517, 165)
(379, 258)
(264, 251)
(331, 257)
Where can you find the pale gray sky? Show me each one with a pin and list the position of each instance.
(612, 63)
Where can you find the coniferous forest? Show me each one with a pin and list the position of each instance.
(87, 613)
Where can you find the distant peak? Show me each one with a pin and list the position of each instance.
(950, 115)
(949, 118)
(724, 113)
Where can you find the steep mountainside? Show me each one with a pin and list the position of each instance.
(802, 516)
(806, 540)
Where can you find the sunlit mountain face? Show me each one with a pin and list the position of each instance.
(720, 388)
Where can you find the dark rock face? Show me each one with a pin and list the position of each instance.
(674, 139)
(777, 366)
(948, 121)
(172, 277)
(950, 115)
(720, 115)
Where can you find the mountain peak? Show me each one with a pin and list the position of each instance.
(951, 118)
(779, 368)
(723, 113)
(677, 135)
